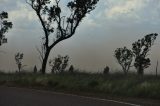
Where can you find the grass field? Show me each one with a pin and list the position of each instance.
(117, 84)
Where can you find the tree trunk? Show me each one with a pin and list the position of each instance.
(157, 69)
(140, 71)
(44, 63)
(125, 70)
(19, 67)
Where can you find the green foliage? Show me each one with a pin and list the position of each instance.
(52, 83)
(93, 83)
(140, 50)
(124, 57)
(59, 64)
(79, 9)
(55, 23)
(4, 26)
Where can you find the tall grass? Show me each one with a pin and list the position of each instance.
(117, 84)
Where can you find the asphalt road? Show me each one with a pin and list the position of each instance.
(10, 96)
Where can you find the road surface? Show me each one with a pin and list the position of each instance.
(10, 96)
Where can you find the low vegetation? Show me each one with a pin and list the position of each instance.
(118, 84)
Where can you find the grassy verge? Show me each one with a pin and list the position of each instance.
(97, 84)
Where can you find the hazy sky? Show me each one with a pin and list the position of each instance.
(113, 24)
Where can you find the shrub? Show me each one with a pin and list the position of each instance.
(106, 70)
(93, 83)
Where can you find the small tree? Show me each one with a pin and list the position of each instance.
(54, 22)
(71, 69)
(4, 27)
(35, 69)
(106, 70)
(59, 64)
(64, 63)
(18, 59)
(140, 49)
(124, 57)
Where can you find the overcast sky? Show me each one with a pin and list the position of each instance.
(113, 24)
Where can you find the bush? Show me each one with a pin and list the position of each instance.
(93, 83)
(106, 70)
(71, 69)
(52, 83)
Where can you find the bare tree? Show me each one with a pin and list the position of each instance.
(60, 26)
(4, 27)
(124, 57)
(41, 51)
(140, 50)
